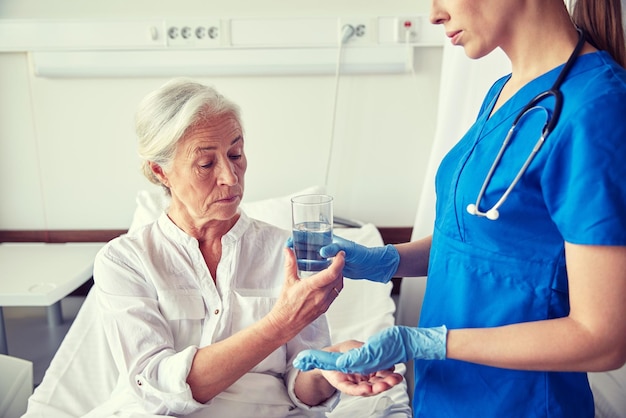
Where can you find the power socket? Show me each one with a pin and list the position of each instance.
(407, 29)
(193, 33)
(361, 34)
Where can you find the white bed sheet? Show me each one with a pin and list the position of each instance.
(82, 374)
(16, 381)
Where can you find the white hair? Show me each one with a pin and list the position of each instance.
(167, 113)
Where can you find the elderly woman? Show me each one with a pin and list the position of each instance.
(203, 309)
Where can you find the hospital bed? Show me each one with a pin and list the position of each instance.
(82, 373)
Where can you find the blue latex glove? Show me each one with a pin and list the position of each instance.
(383, 350)
(377, 264)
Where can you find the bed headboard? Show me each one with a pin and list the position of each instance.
(391, 235)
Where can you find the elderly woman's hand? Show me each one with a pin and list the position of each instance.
(302, 301)
(363, 384)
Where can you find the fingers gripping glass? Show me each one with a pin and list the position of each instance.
(551, 121)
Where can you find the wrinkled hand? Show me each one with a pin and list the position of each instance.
(383, 350)
(377, 264)
(302, 301)
(363, 384)
(356, 384)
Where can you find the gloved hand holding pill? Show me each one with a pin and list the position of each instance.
(383, 350)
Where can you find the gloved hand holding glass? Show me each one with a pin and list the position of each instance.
(377, 264)
(383, 350)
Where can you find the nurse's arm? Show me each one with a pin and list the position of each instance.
(414, 258)
(592, 338)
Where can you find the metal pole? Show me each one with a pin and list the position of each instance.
(4, 349)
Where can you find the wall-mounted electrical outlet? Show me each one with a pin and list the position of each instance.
(360, 30)
(417, 30)
(193, 33)
(407, 29)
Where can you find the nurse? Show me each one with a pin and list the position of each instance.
(522, 303)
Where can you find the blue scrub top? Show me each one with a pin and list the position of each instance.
(485, 273)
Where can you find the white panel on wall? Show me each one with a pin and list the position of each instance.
(383, 142)
(139, 8)
(84, 133)
(21, 204)
(216, 46)
(91, 169)
(297, 31)
(89, 155)
(37, 35)
(220, 62)
(197, 32)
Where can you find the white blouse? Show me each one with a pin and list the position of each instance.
(159, 303)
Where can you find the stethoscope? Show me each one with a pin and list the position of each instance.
(551, 121)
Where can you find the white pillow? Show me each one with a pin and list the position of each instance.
(150, 205)
(363, 307)
(277, 211)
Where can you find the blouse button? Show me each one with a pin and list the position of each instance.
(217, 311)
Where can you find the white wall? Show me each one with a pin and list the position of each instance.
(67, 146)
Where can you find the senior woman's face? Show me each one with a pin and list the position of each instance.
(206, 178)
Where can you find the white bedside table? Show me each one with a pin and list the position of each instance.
(41, 274)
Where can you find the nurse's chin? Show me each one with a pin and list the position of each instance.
(474, 53)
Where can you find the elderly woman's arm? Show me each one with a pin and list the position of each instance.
(219, 365)
(312, 388)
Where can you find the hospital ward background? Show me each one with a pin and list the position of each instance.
(357, 99)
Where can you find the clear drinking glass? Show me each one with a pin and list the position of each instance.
(312, 226)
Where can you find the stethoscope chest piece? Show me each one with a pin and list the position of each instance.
(492, 214)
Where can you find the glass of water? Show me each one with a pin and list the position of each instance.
(312, 225)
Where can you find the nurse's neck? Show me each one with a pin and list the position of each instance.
(531, 59)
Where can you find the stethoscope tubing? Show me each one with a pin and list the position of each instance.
(551, 121)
